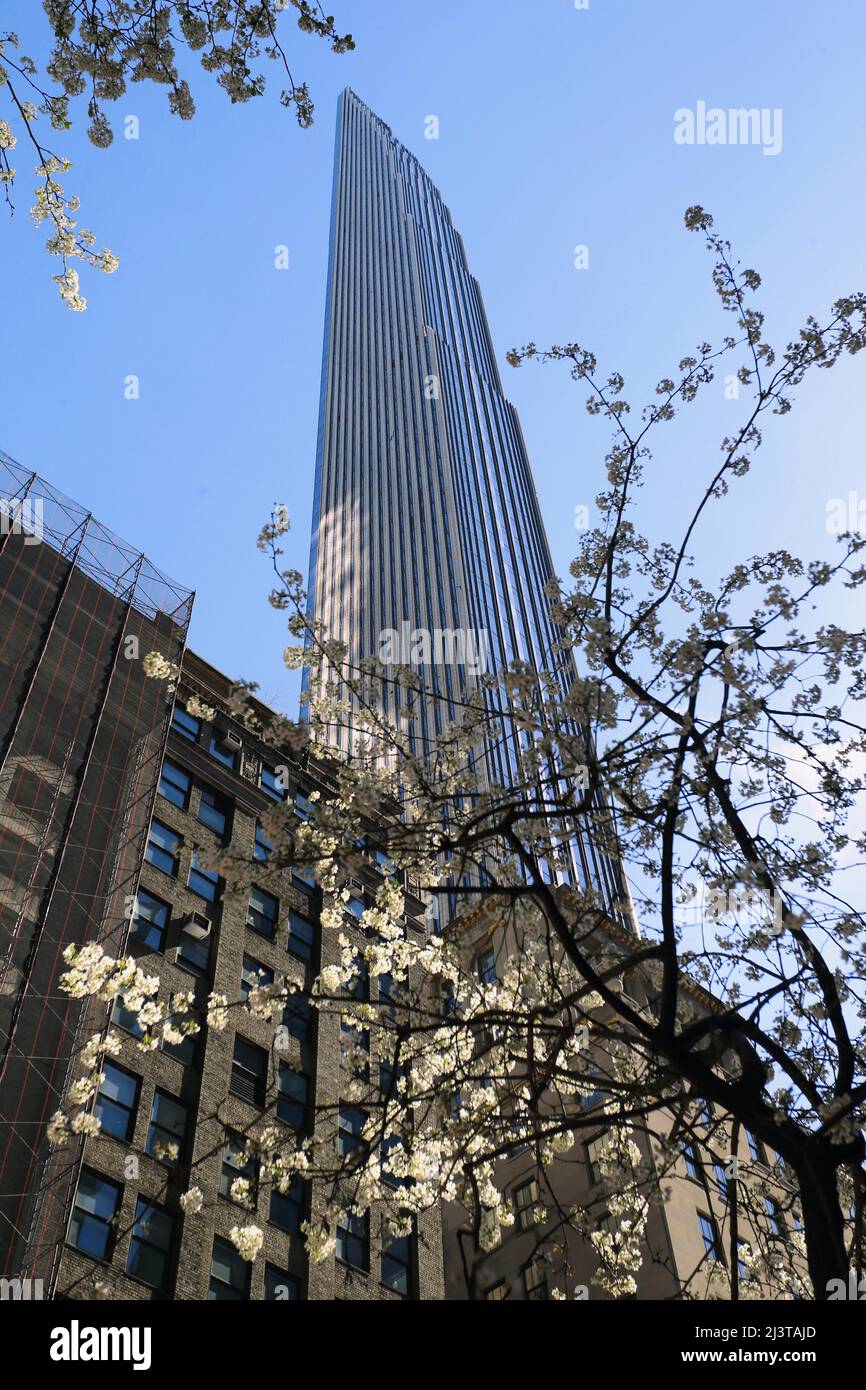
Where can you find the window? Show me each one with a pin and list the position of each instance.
(755, 1148)
(280, 1285)
(351, 1124)
(262, 846)
(359, 985)
(193, 952)
(356, 907)
(185, 724)
(721, 1178)
(705, 1112)
(203, 881)
(303, 806)
(229, 1274)
(526, 1205)
(214, 810)
(384, 863)
(91, 1227)
(535, 1281)
(150, 1248)
(249, 1078)
(304, 878)
(175, 784)
(117, 1101)
(167, 1130)
(497, 1293)
(287, 1208)
(353, 1239)
(298, 1017)
(742, 1253)
(262, 913)
(126, 1019)
(593, 1154)
(710, 1236)
(236, 1163)
(150, 922)
(396, 1268)
(302, 936)
(774, 1216)
(355, 1049)
(222, 750)
(691, 1159)
(485, 966)
(391, 994)
(294, 1090)
(392, 1144)
(254, 975)
(273, 782)
(163, 844)
(184, 1051)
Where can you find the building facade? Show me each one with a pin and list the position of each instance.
(82, 732)
(428, 546)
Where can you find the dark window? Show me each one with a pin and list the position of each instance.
(117, 1101)
(203, 881)
(175, 784)
(150, 1248)
(710, 1236)
(355, 1049)
(254, 975)
(396, 1272)
(126, 1019)
(163, 844)
(298, 1017)
(535, 1281)
(222, 750)
(391, 994)
(91, 1227)
(302, 936)
(229, 1274)
(185, 724)
(280, 1285)
(214, 810)
(485, 966)
(287, 1208)
(359, 984)
(262, 846)
(151, 920)
(249, 1072)
(593, 1152)
(184, 1051)
(356, 907)
(353, 1239)
(774, 1215)
(294, 1091)
(755, 1147)
(351, 1124)
(304, 878)
(167, 1130)
(236, 1163)
(303, 806)
(721, 1180)
(273, 782)
(262, 913)
(691, 1159)
(384, 863)
(193, 952)
(526, 1205)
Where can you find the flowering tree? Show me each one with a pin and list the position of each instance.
(713, 744)
(101, 45)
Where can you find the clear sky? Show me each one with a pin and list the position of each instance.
(555, 129)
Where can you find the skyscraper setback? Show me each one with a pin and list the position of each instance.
(425, 516)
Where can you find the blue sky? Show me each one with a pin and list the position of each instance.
(556, 129)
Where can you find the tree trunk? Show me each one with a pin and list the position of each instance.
(823, 1221)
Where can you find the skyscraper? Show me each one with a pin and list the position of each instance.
(425, 516)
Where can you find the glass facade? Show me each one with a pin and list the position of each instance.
(425, 517)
